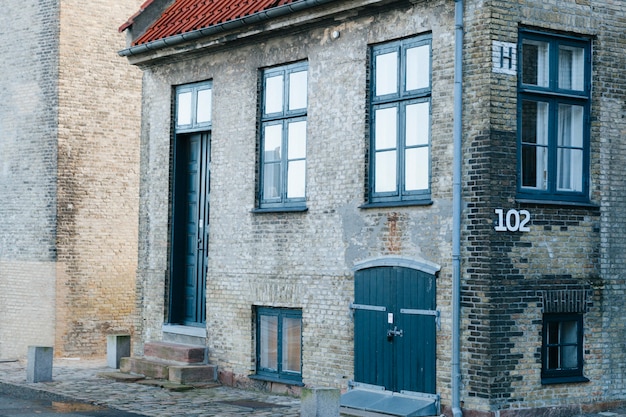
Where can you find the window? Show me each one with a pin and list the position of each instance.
(400, 97)
(553, 100)
(194, 105)
(283, 137)
(279, 343)
(562, 351)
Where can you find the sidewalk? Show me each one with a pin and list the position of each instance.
(82, 380)
(79, 380)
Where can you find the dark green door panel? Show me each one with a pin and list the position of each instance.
(394, 340)
(190, 230)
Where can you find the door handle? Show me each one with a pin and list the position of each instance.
(395, 332)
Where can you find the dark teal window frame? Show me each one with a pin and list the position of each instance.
(193, 90)
(281, 201)
(553, 96)
(277, 373)
(399, 99)
(555, 350)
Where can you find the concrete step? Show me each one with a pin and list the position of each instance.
(175, 353)
(182, 374)
(142, 366)
(192, 374)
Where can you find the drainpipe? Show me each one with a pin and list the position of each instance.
(456, 210)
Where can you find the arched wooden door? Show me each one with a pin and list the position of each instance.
(395, 321)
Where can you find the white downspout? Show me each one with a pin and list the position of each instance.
(456, 210)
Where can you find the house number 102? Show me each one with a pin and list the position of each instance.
(514, 221)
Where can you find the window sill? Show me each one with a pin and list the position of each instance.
(558, 203)
(280, 209)
(277, 379)
(407, 203)
(563, 380)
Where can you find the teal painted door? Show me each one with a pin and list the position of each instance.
(395, 329)
(190, 230)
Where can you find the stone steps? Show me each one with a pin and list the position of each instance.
(177, 363)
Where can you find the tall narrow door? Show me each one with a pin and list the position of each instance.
(395, 329)
(190, 211)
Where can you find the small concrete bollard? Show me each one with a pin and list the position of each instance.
(319, 402)
(39, 367)
(118, 347)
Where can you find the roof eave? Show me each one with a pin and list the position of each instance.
(221, 27)
(163, 48)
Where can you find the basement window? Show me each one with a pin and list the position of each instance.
(562, 348)
(279, 344)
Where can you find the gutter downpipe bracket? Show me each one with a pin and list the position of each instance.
(457, 206)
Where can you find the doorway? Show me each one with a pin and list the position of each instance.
(395, 324)
(190, 229)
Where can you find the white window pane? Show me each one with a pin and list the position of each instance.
(183, 114)
(542, 123)
(571, 68)
(271, 181)
(291, 349)
(386, 74)
(385, 177)
(296, 179)
(274, 94)
(272, 142)
(203, 111)
(535, 63)
(570, 125)
(272, 148)
(417, 124)
(298, 90)
(570, 144)
(418, 67)
(386, 131)
(570, 170)
(416, 169)
(269, 342)
(296, 147)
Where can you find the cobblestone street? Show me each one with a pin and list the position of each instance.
(81, 380)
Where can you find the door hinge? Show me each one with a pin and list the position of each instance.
(367, 307)
(435, 313)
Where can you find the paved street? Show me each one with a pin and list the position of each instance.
(21, 404)
(79, 389)
(81, 381)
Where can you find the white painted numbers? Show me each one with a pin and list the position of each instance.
(513, 221)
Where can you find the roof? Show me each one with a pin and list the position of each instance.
(184, 16)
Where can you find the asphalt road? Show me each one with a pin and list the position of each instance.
(29, 404)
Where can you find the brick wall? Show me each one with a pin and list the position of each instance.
(98, 177)
(304, 260)
(28, 169)
(300, 260)
(506, 273)
(69, 132)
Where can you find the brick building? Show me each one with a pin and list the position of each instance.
(69, 158)
(420, 195)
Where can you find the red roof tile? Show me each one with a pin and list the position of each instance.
(185, 16)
